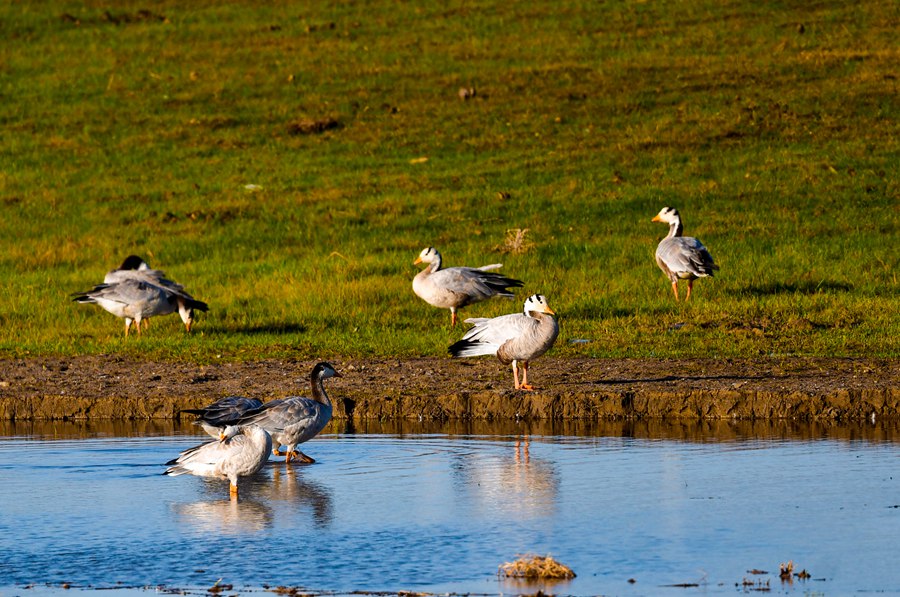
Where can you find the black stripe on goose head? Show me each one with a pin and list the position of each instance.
(133, 262)
(324, 370)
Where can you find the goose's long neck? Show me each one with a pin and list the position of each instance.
(435, 263)
(546, 323)
(675, 228)
(318, 390)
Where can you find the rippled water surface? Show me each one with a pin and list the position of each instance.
(439, 511)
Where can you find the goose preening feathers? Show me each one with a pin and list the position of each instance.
(681, 257)
(135, 268)
(514, 338)
(456, 287)
(215, 417)
(132, 267)
(297, 419)
(135, 293)
(240, 451)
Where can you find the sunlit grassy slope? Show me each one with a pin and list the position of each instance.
(137, 128)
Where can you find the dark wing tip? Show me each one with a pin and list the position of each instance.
(198, 305)
(457, 347)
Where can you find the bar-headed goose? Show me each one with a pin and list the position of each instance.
(135, 300)
(296, 419)
(456, 287)
(135, 268)
(240, 451)
(514, 338)
(681, 257)
(135, 292)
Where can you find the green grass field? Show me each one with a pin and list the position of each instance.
(133, 127)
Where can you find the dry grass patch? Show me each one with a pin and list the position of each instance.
(515, 242)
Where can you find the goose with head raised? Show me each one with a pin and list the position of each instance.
(455, 287)
(514, 338)
(297, 419)
(681, 257)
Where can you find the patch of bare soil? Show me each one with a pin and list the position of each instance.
(114, 387)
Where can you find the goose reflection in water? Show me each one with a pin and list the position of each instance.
(512, 481)
(289, 485)
(259, 503)
(233, 517)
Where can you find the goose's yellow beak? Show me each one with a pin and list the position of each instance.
(417, 261)
(656, 218)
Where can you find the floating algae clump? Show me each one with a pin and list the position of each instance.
(532, 566)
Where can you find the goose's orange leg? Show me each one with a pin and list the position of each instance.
(525, 384)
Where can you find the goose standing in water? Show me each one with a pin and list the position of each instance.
(514, 338)
(240, 451)
(681, 257)
(294, 420)
(456, 287)
(214, 418)
(136, 293)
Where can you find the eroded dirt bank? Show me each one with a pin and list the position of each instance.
(112, 387)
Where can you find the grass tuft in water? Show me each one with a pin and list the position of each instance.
(535, 567)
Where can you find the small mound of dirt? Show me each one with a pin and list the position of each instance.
(312, 127)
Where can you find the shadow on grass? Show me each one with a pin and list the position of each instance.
(793, 288)
(605, 312)
(257, 330)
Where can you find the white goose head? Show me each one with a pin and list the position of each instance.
(428, 255)
(229, 432)
(537, 303)
(186, 313)
(669, 215)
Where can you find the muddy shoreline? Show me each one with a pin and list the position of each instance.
(111, 387)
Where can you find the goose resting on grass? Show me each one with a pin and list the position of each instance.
(214, 417)
(456, 287)
(240, 451)
(514, 338)
(294, 420)
(681, 257)
(136, 293)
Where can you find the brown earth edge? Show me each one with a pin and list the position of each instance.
(110, 387)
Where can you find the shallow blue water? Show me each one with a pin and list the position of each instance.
(439, 513)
